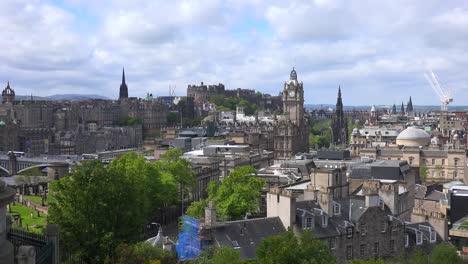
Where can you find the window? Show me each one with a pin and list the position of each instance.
(383, 226)
(349, 232)
(336, 208)
(349, 252)
(455, 162)
(455, 174)
(419, 238)
(277, 198)
(406, 240)
(443, 161)
(363, 229)
(381, 204)
(411, 161)
(332, 243)
(376, 248)
(433, 162)
(362, 250)
(324, 220)
(309, 222)
(432, 236)
(392, 245)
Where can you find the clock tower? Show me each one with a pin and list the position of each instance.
(293, 98)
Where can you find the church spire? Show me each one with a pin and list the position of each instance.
(123, 93)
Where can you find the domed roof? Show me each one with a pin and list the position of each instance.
(355, 130)
(293, 75)
(8, 90)
(413, 136)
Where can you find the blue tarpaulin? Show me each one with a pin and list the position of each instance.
(188, 245)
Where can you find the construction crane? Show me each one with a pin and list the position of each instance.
(444, 96)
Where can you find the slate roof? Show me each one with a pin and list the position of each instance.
(380, 169)
(245, 235)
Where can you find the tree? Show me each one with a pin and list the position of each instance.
(140, 253)
(423, 170)
(172, 118)
(367, 261)
(197, 209)
(177, 174)
(218, 255)
(287, 248)
(444, 253)
(237, 194)
(98, 208)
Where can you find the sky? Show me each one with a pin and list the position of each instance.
(377, 51)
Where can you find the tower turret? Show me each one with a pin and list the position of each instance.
(8, 94)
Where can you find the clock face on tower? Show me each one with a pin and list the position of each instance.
(292, 93)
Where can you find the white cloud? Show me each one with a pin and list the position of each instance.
(371, 48)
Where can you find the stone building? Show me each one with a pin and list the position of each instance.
(62, 127)
(292, 129)
(431, 205)
(445, 162)
(285, 134)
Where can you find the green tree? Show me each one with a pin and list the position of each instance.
(444, 253)
(287, 248)
(423, 170)
(368, 261)
(197, 209)
(98, 208)
(237, 194)
(218, 255)
(129, 121)
(172, 118)
(177, 174)
(418, 257)
(32, 172)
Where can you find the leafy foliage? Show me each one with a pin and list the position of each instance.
(423, 170)
(218, 255)
(197, 209)
(444, 253)
(236, 195)
(129, 121)
(140, 253)
(287, 248)
(320, 134)
(230, 104)
(98, 208)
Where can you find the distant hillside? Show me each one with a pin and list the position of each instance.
(57, 97)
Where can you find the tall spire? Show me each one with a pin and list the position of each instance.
(123, 93)
(402, 110)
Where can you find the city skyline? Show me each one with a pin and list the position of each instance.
(59, 47)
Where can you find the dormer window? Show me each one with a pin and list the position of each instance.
(308, 222)
(432, 236)
(419, 238)
(381, 204)
(336, 208)
(324, 220)
(349, 232)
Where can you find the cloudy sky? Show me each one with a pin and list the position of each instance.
(376, 50)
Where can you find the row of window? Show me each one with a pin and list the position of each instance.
(363, 250)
